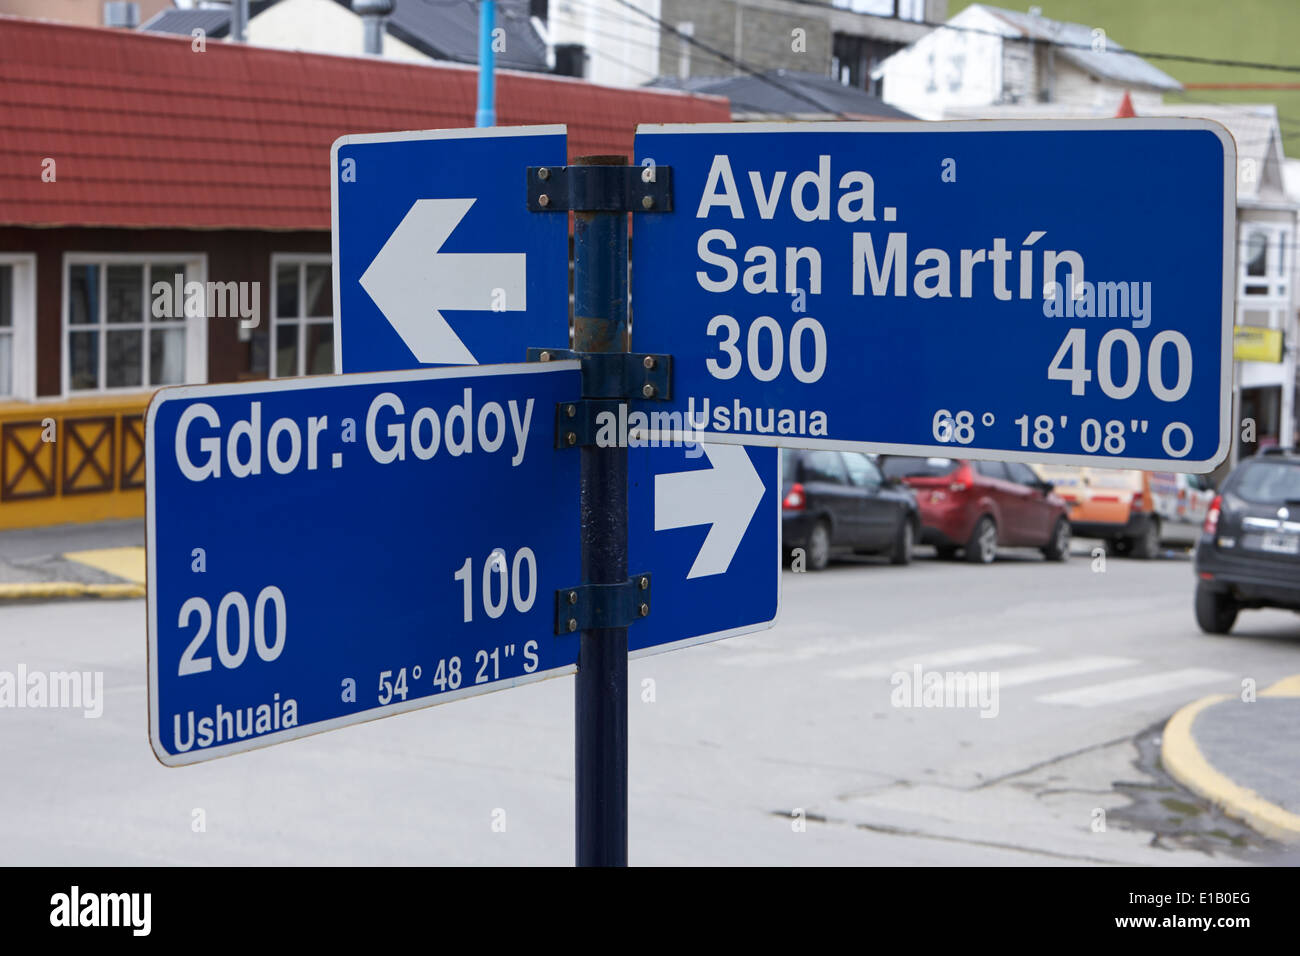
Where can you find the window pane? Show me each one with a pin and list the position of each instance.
(6, 297)
(83, 295)
(286, 292)
(83, 360)
(320, 292)
(166, 356)
(320, 348)
(1256, 254)
(992, 469)
(286, 349)
(824, 466)
(167, 272)
(124, 358)
(6, 363)
(124, 294)
(862, 472)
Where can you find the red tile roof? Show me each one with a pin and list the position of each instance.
(146, 132)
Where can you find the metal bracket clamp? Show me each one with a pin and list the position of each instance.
(590, 606)
(622, 375)
(576, 422)
(600, 188)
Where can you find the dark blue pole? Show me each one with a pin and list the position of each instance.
(600, 699)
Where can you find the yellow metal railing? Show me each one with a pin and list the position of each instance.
(79, 459)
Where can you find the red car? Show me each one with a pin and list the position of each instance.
(977, 505)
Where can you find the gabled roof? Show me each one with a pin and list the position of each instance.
(1255, 128)
(146, 132)
(787, 93)
(1112, 63)
(440, 29)
(448, 30)
(213, 22)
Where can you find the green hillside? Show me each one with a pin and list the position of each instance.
(1261, 31)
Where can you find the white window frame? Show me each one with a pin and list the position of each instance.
(301, 321)
(196, 327)
(1276, 278)
(23, 309)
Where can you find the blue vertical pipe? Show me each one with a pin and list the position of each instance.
(600, 689)
(487, 89)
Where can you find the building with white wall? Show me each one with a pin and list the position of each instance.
(987, 57)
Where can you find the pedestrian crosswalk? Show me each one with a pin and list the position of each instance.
(1018, 666)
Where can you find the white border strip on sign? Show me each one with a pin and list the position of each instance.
(747, 628)
(194, 392)
(407, 136)
(1138, 124)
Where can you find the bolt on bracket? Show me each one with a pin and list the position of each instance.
(621, 375)
(590, 606)
(600, 189)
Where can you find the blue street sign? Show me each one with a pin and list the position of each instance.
(332, 550)
(437, 259)
(706, 520)
(1030, 291)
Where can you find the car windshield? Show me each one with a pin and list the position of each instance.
(1268, 482)
(1109, 478)
(902, 466)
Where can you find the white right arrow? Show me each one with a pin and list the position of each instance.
(410, 281)
(724, 496)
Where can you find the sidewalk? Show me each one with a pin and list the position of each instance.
(93, 560)
(1242, 756)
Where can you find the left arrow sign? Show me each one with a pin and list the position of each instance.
(412, 281)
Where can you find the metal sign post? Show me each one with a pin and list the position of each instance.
(600, 689)
(601, 191)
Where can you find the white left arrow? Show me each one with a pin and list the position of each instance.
(411, 281)
(724, 496)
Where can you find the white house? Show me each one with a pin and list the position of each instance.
(987, 56)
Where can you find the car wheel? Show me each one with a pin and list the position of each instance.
(903, 543)
(1058, 548)
(1147, 545)
(982, 547)
(819, 546)
(1216, 612)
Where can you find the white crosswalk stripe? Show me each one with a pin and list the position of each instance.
(1113, 692)
(1053, 670)
(935, 659)
(940, 658)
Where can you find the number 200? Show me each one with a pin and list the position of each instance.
(190, 664)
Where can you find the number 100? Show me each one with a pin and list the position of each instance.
(508, 583)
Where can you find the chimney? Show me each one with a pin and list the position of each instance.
(238, 21)
(374, 16)
(122, 16)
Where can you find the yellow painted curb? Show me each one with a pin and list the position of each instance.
(1185, 762)
(63, 589)
(126, 563)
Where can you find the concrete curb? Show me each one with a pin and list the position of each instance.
(44, 590)
(123, 567)
(1183, 759)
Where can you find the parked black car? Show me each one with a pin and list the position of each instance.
(1248, 555)
(838, 500)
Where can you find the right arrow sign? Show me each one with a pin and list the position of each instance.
(723, 497)
(706, 521)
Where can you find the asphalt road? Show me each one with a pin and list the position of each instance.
(778, 748)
